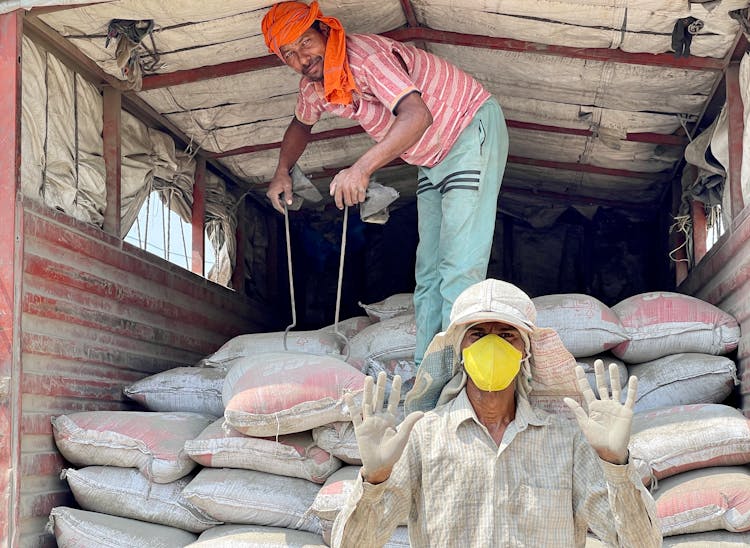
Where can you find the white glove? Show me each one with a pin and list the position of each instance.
(380, 444)
(608, 423)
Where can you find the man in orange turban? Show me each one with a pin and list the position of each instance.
(418, 107)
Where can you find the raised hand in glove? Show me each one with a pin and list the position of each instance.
(608, 422)
(380, 444)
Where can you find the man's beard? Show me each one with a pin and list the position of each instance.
(318, 64)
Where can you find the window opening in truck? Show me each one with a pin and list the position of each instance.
(714, 226)
(161, 231)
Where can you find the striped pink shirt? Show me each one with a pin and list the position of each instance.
(377, 63)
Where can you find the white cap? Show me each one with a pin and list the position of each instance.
(494, 301)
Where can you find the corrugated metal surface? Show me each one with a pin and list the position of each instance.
(723, 279)
(98, 315)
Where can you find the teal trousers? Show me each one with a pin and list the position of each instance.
(457, 208)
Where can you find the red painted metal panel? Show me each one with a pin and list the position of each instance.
(111, 134)
(736, 117)
(10, 243)
(199, 217)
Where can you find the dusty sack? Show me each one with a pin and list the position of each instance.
(705, 500)
(672, 440)
(152, 442)
(254, 498)
(683, 379)
(339, 440)
(661, 323)
(126, 493)
(256, 536)
(193, 389)
(399, 304)
(294, 455)
(391, 339)
(585, 324)
(81, 529)
(320, 342)
(287, 392)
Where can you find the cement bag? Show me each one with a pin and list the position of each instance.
(349, 327)
(80, 529)
(126, 493)
(331, 497)
(705, 500)
(390, 339)
(711, 539)
(661, 323)
(256, 536)
(152, 442)
(399, 538)
(294, 455)
(318, 342)
(254, 498)
(193, 389)
(683, 379)
(586, 325)
(339, 440)
(588, 367)
(399, 304)
(672, 440)
(287, 392)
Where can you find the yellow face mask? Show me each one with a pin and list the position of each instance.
(492, 363)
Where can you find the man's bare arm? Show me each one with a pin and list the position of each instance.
(295, 140)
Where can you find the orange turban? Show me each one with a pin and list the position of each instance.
(287, 21)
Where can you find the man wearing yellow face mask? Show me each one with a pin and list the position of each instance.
(487, 466)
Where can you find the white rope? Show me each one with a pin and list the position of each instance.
(683, 223)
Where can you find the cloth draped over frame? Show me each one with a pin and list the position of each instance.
(287, 21)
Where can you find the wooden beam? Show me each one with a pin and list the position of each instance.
(221, 70)
(411, 17)
(736, 118)
(585, 168)
(520, 160)
(654, 138)
(112, 137)
(605, 55)
(415, 33)
(319, 136)
(11, 273)
(198, 218)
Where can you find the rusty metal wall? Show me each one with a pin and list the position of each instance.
(97, 315)
(723, 279)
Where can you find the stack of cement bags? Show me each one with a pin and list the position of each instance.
(688, 447)
(226, 453)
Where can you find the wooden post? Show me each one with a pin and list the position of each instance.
(677, 239)
(11, 273)
(113, 160)
(700, 230)
(199, 217)
(238, 274)
(736, 117)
